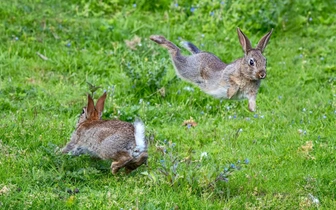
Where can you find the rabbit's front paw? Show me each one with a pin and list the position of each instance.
(252, 106)
(232, 91)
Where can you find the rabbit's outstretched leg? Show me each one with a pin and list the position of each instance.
(161, 40)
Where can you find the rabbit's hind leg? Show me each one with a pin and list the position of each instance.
(121, 160)
(161, 40)
(135, 163)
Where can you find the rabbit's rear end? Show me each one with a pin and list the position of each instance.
(199, 68)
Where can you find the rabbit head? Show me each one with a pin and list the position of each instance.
(253, 63)
(92, 112)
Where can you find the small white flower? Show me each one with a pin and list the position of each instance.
(187, 88)
(204, 154)
(302, 131)
(314, 199)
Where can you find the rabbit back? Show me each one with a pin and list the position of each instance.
(198, 68)
(103, 138)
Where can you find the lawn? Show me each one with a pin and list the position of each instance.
(280, 157)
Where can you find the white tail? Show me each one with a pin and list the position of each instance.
(139, 135)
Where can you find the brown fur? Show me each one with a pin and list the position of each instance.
(122, 158)
(106, 139)
(136, 162)
(204, 73)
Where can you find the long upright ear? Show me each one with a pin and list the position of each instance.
(244, 41)
(100, 104)
(90, 109)
(263, 41)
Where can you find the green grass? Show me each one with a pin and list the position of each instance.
(40, 101)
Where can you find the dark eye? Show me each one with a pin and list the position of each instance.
(251, 62)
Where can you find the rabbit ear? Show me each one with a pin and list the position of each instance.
(100, 104)
(244, 41)
(263, 41)
(90, 109)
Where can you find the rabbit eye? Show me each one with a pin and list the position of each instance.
(251, 62)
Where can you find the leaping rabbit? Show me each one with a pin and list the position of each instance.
(237, 80)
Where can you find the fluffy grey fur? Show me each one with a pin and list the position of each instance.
(237, 80)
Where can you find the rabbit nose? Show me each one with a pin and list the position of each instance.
(262, 75)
